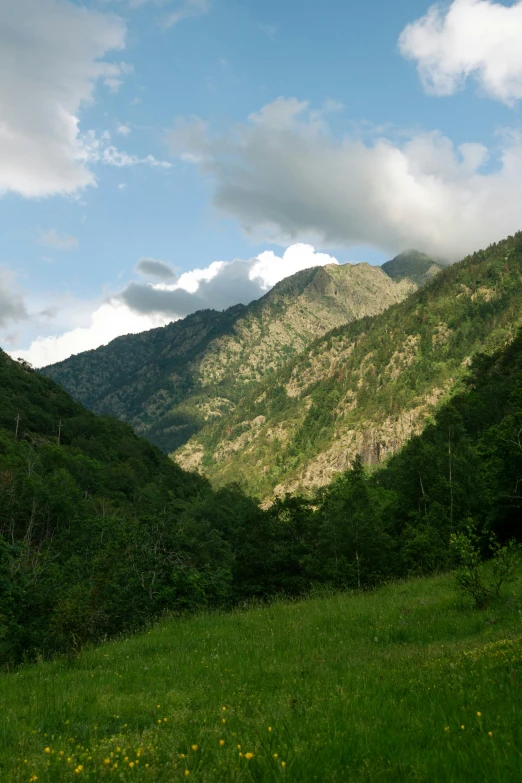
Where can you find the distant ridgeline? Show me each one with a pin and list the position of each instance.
(170, 382)
(100, 532)
(365, 387)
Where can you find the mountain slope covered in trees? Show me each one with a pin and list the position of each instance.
(367, 387)
(100, 532)
(168, 382)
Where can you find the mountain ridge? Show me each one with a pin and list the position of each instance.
(169, 381)
(365, 387)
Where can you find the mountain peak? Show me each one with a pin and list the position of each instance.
(412, 265)
(169, 382)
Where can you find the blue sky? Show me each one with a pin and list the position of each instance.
(388, 126)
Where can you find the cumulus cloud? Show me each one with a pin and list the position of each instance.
(58, 241)
(284, 175)
(144, 306)
(222, 284)
(51, 57)
(477, 39)
(12, 305)
(152, 267)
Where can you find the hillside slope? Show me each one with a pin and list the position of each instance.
(99, 531)
(401, 684)
(168, 382)
(366, 387)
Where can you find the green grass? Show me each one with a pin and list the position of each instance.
(403, 684)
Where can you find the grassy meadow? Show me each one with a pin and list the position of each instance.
(408, 683)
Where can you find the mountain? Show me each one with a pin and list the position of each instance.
(365, 387)
(100, 532)
(170, 382)
(413, 266)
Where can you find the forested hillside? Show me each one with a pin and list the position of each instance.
(367, 387)
(100, 532)
(167, 383)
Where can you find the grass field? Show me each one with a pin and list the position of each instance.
(409, 683)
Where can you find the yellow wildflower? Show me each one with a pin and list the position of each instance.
(164, 720)
(194, 747)
(276, 755)
(479, 714)
(107, 761)
(187, 773)
(47, 750)
(131, 764)
(490, 733)
(221, 743)
(270, 728)
(249, 756)
(283, 764)
(223, 708)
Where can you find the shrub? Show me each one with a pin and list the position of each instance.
(472, 577)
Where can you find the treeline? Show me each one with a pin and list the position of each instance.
(100, 532)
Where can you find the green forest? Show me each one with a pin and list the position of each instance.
(100, 533)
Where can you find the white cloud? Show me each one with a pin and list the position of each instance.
(58, 241)
(109, 320)
(480, 39)
(144, 306)
(98, 149)
(269, 269)
(123, 130)
(286, 177)
(51, 57)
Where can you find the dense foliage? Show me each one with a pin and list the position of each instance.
(100, 532)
